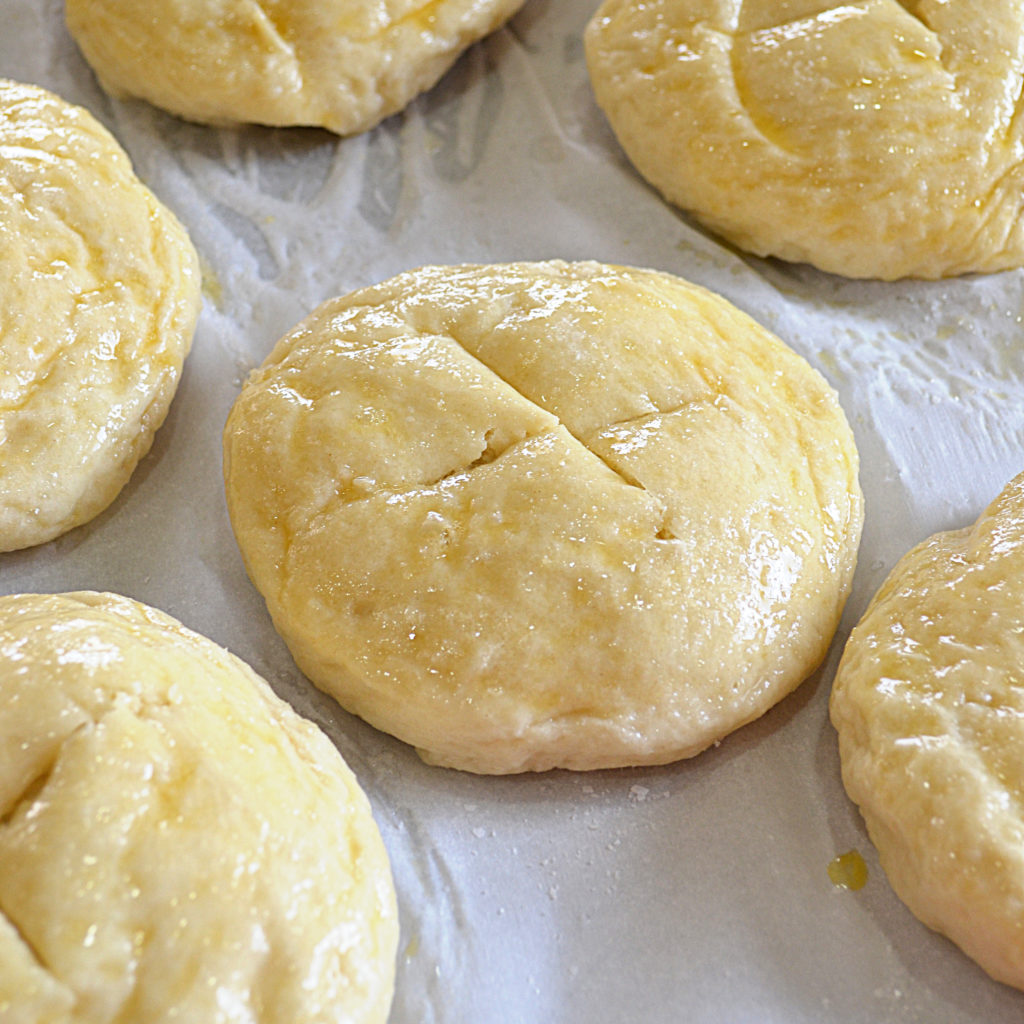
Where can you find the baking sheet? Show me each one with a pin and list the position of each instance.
(696, 892)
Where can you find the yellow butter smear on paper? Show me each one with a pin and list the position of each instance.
(848, 871)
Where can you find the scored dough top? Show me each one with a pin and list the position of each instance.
(545, 514)
(872, 139)
(175, 842)
(339, 64)
(99, 295)
(929, 707)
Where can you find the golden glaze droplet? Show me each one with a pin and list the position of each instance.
(848, 871)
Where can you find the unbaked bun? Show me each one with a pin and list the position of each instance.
(871, 139)
(175, 842)
(338, 64)
(545, 514)
(100, 291)
(929, 705)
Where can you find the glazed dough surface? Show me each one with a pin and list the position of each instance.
(537, 515)
(175, 842)
(929, 706)
(99, 292)
(872, 139)
(344, 65)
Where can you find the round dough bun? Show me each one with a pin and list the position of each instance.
(543, 514)
(875, 139)
(929, 706)
(100, 291)
(175, 842)
(344, 65)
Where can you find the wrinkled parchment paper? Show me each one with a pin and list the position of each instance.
(696, 892)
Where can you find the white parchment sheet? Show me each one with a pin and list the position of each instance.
(696, 892)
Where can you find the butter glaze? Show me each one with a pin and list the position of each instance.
(99, 292)
(540, 515)
(175, 842)
(871, 139)
(343, 65)
(928, 702)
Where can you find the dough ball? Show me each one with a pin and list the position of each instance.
(344, 65)
(100, 291)
(549, 514)
(872, 139)
(929, 706)
(175, 842)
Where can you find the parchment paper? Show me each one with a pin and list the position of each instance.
(697, 892)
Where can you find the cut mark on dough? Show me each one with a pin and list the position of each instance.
(34, 786)
(913, 8)
(742, 104)
(773, 38)
(490, 452)
(423, 17)
(1013, 121)
(30, 947)
(27, 796)
(488, 455)
(624, 477)
(272, 30)
(665, 532)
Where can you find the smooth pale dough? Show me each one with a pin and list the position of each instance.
(929, 706)
(175, 842)
(545, 514)
(871, 139)
(344, 65)
(99, 292)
